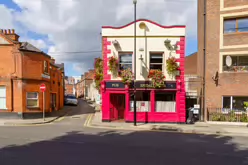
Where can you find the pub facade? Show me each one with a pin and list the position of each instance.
(155, 45)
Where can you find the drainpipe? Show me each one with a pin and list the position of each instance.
(204, 63)
(11, 80)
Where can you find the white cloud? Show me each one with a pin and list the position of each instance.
(75, 25)
(39, 43)
(6, 21)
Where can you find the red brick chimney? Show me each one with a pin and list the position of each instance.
(52, 61)
(11, 34)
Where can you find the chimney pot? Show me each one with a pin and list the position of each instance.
(8, 31)
(13, 31)
(5, 31)
(1, 30)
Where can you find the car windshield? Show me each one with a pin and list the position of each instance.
(71, 97)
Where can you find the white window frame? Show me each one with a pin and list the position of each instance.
(45, 67)
(122, 54)
(5, 107)
(32, 99)
(231, 102)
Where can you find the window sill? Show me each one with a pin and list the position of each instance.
(33, 108)
(235, 72)
(235, 33)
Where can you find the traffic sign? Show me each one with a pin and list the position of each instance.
(43, 87)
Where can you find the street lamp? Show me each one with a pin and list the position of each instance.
(134, 84)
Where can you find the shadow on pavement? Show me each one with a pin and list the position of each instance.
(122, 148)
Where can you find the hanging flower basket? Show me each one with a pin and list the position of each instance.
(98, 77)
(171, 66)
(113, 64)
(157, 78)
(127, 76)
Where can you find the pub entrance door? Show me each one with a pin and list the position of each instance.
(117, 106)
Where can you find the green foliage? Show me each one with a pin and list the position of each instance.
(98, 77)
(171, 66)
(127, 76)
(157, 77)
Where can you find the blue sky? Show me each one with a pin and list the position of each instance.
(191, 42)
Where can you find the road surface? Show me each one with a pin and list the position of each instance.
(69, 142)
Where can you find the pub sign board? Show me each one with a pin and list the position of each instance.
(148, 85)
(140, 85)
(117, 85)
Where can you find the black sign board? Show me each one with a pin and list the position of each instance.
(140, 85)
(148, 85)
(115, 85)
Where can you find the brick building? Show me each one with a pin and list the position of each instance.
(23, 68)
(69, 86)
(226, 53)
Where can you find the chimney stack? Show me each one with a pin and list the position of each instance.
(10, 33)
(52, 60)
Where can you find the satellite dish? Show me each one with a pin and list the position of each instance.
(228, 61)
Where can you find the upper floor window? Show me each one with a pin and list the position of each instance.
(45, 67)
(238, 64)
(125, 61)
(156, 61)
(236, 25)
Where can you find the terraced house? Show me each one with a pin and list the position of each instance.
(23, 68)
(226, 54)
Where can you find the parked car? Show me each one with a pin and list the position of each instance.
(71, 100)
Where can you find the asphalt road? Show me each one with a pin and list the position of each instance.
(68, 142)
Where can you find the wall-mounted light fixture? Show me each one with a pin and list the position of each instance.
(141, 49)
(115, 42)
(168, 45)
(141, 63)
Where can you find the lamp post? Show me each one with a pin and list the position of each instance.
(134, 84)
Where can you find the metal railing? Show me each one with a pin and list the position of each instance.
(227, 115)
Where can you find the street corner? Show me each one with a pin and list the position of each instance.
(23, 123)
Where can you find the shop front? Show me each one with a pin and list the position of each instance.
(152, 105)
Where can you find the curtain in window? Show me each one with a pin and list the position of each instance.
(2, 97)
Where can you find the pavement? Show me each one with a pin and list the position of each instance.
(197, 128)
(54, 116)
(68, 141)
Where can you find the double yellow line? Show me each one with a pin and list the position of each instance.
(88, 120)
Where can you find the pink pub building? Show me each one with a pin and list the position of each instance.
(155, 44)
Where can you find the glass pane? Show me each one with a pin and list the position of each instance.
(32, 103)
(32, 95)
(238, 102)
(243, 25)
(142, 96)
(156, 58)
(2, 103)
(155, 67)
(165, 97)
(125, 66)
(243, 60)
(229, 26)
(126, 58)
(226, 102)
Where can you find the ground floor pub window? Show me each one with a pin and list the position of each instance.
(237, 103)
(142, 101)
(165, 102)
